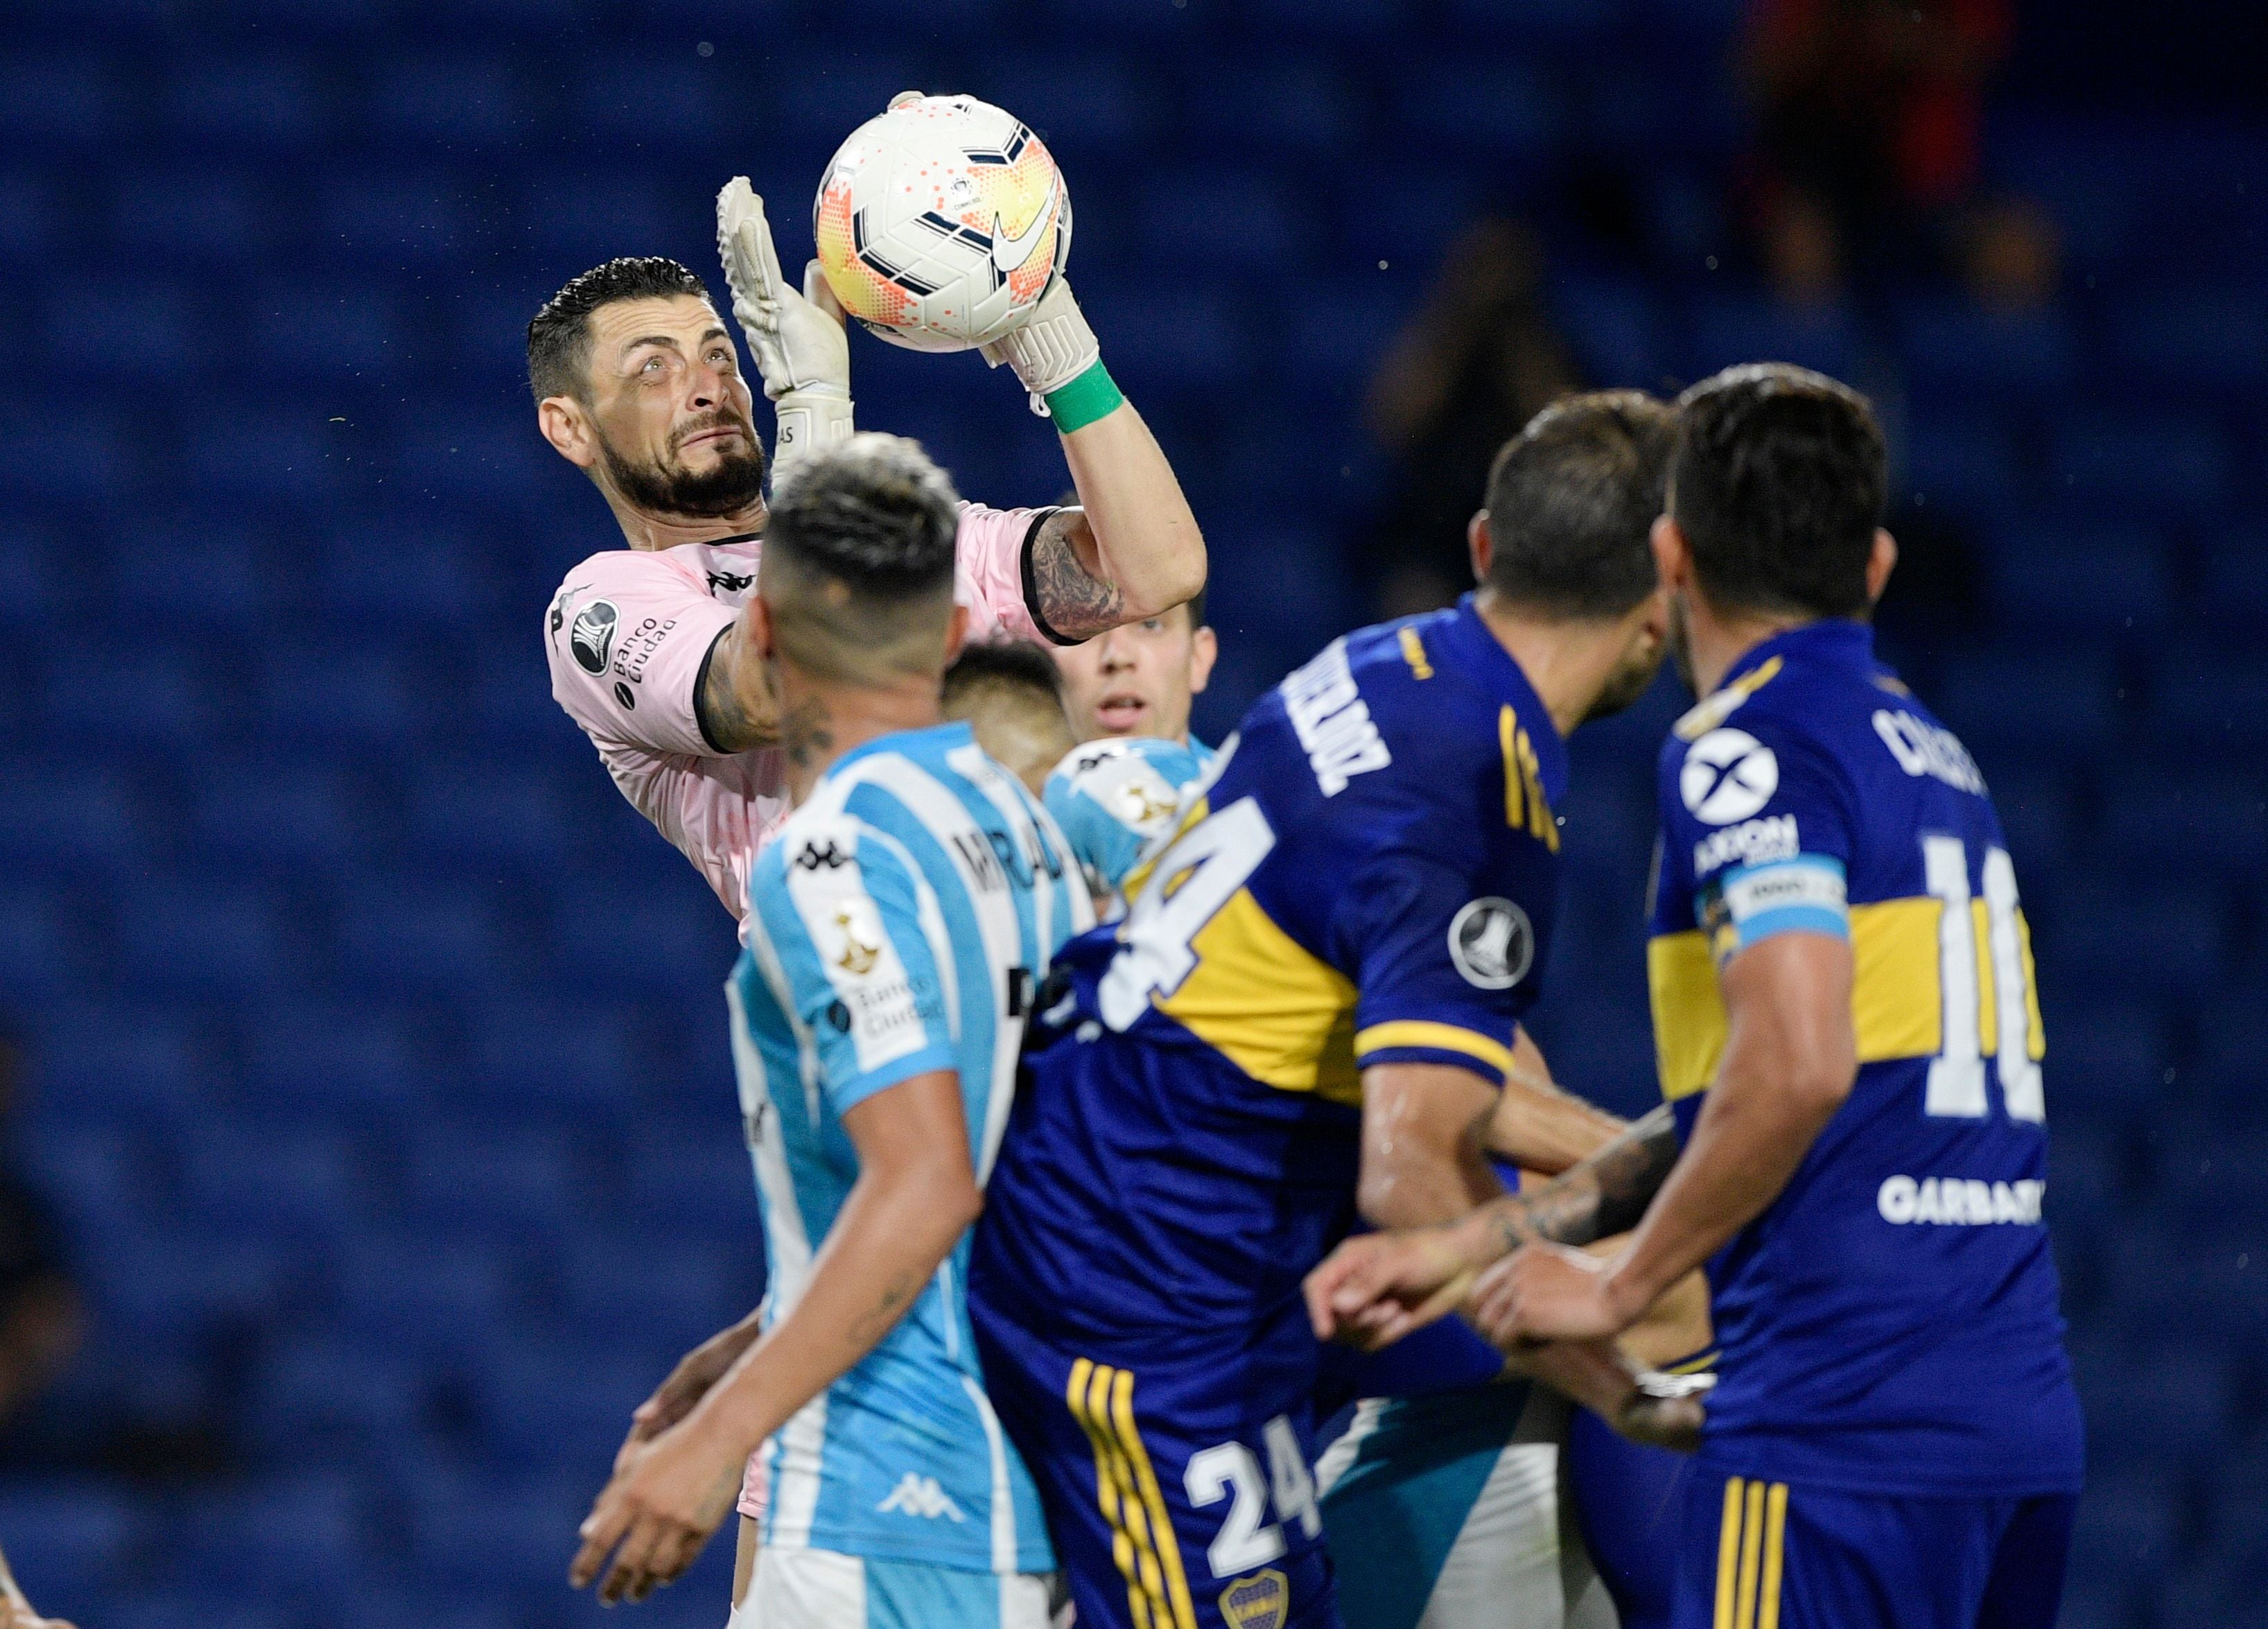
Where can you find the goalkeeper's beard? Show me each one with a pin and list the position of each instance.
(736, 483)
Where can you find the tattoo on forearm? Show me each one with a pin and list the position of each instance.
(804, 732)
(1603, 1196)
(888, 1308)
(1071, 599)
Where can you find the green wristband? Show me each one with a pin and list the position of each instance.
(1094, 395)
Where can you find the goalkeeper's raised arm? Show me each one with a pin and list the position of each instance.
(1129, 550)
(1132, 549)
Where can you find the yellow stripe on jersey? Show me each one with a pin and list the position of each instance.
(1440, 1037)
(1413, 652)
(1751, 1559)
(1260, 1000)
(1142, 1539)
(1897, 999)
(1713, 710)
(1524, 808)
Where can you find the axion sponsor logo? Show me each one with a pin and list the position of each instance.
(1751, 843)
(1960, 1202)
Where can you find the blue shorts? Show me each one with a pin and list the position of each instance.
(1762, 1555)
(1629, 1501)
(1177, 1489)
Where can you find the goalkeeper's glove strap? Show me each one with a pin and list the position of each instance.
(1094, 395)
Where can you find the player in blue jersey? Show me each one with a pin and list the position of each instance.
(1308, 1014)
(1849, 1040)
(898, 927)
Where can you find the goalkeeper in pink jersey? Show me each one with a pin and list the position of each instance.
(638, 385)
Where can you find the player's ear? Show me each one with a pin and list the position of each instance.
(956, 632)
(567, 426)
(1879, 563)
(1204, 650)
(1481, 543)
(1671, 555)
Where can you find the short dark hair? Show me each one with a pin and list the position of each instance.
(559, 335)
(1003, 666)
(1572, 502)
(872, 512)
(1778, 483)
(1196, 610)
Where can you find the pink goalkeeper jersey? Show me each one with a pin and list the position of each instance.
(629, 633)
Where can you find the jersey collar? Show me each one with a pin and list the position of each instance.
(1502, 678)
(942, 737)
(1831, 638)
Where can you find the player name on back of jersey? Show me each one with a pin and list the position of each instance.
(1333, 722)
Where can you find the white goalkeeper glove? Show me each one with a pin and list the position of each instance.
(1054, 344)
(798, 340)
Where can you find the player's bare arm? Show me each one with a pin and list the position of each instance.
(915, 1194)
(1422, 1157)
(689, 1382)
(1539, 1127)
(1376, 1288)
(1132, 549)
(1790, 1054)
(734, 704)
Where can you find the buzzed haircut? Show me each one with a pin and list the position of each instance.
(1778, 483)
(1012, 695)
(1003, 666)
(559, 335)
(858, 560)
(1571, 503)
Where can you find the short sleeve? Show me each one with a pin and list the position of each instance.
(992, 578)
(1757, 822)
(1114, 798)
(627, 636)
(840, 912)
(1441, 959)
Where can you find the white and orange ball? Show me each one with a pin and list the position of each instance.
(940, 223)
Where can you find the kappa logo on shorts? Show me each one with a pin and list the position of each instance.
(1492, 943)
(1263, 1601)
(592, 636)
(1729, 775)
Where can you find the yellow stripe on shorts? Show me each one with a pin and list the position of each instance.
(1142, 1539)
(1751, 1554)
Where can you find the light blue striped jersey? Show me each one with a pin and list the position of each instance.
(900, 922)
(1116, 796)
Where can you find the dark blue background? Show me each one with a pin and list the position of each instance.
(380, 1076)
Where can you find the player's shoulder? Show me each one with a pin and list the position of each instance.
(825, 848)
(1115, 756)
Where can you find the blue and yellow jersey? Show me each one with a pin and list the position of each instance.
(1115, 797)
(1367, 875)
(1890, 1323)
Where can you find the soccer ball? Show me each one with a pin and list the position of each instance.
(940, 223)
